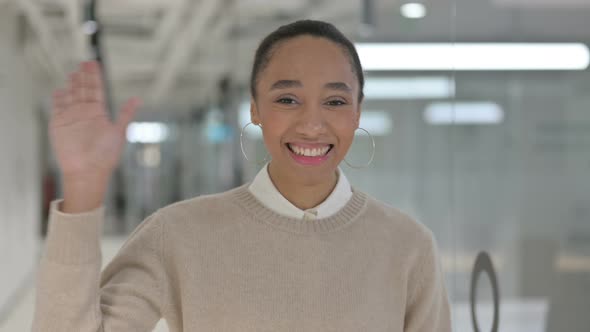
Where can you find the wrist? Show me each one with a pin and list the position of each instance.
(81, 180)
(83, 194)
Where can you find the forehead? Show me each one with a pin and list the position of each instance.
(307, 58)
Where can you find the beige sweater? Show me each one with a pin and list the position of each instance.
(225, 262)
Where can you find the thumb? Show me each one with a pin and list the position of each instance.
(128, 113)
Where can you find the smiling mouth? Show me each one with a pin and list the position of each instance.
(310, 152)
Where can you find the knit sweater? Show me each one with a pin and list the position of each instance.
(225, 262)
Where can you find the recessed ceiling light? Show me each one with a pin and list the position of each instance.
(473, 56)
(378, 123)
(413, 10)
(463, 113)
(426, 87)
(147, 132)
(89, 27)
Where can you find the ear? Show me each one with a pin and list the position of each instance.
(254, 117)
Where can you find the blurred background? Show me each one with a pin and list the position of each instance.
(480, 110)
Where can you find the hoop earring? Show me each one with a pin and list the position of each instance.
(242, 146)
(372, 154)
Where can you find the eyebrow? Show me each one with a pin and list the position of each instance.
(285, 84)
(341, 86)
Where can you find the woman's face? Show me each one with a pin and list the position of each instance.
(307, 103)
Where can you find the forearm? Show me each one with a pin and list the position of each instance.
(68, 275)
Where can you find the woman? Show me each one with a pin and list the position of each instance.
(298, 249)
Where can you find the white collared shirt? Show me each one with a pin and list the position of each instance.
(266, 192)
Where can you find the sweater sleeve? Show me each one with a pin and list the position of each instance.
(428, 307)
(73, 295)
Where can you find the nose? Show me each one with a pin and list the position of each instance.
(311, 121)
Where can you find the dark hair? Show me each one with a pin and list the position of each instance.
(301, 28)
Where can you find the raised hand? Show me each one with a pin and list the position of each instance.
(87, 144)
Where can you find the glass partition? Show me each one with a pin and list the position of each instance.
(519, 178)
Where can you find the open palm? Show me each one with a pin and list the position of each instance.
(85, 140)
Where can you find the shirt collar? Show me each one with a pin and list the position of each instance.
(266, 192)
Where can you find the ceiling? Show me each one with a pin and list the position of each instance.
(173, 53)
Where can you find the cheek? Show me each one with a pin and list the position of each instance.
(271, 139)
(346, 138)
(344, 127)
(274, 128)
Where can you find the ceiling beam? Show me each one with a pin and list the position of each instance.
(74, 16)
(46, 39)
(169, 25)
(143, 70)
(215, 53)
(182, 48)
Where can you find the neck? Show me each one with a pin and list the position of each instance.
(302, 195)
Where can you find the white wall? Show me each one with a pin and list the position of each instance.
(19, 165)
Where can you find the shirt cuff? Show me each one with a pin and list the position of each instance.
(73, 238)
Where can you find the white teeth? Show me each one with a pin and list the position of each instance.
(309, 152)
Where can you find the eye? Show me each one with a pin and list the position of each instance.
(336, 102)
(286, 100)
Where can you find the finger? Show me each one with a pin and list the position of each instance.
(83, 93)
(93, 84)
(77, 88)
(94, 68)
(59, 101)
(70, 88)
(69, 98)
(128, 113)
